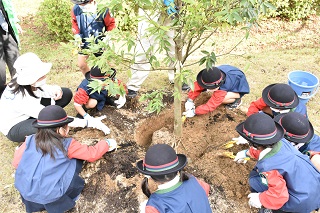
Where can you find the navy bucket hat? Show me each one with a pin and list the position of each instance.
(280, 96)
(80, 1)
(161, 159)
(297, 127)
(52, 116)
(260, 129)
(96, 73)
(211, 78)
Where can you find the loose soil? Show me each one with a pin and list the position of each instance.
(113, 183)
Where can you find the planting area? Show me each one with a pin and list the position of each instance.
(113, 183)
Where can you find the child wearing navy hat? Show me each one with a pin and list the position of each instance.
(300, 133)
(227, 83)
(276, 99)
(177, 191)
(48, 163)
(276, 180)
(86, 99)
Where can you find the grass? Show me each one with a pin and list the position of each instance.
(266, 57)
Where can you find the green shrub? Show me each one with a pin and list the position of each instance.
(55, 14)
(293, 9)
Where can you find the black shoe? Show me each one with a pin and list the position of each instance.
(185, 87)
(235, 105)
(131, 93)
(110, 101)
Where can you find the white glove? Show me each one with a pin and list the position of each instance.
(112, 144)
(121, 101)
(189, 104)
(87, 117)
(240, 140)
(142, 206)
(189, 114)
(254, 200)
(78, 122)
(240, 156)
(97, 123)
(103, 128)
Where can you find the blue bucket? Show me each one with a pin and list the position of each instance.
(304, 84)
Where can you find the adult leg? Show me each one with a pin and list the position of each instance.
(19, 131)
(172, 49)
(64, 101)
(11, 53)
(66, 97)
(141, 67)
(2, 58)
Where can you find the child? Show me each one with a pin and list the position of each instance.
(85, 97)
(283, 179)
(86, 23)
(27, 94)
(227, 83)
(277, 98)
(299, 132)
(177, 191)
(48, 163)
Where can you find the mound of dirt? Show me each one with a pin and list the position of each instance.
(113, 183)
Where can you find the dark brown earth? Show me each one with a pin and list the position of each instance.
(113, 183)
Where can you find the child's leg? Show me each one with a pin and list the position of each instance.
(230, 97)
(92, 103)
(31, 206)
(82, 63)
(316, 161)
(255, 182)
(67, 201)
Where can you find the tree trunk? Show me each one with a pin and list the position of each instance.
(177, 89)
(177, 105)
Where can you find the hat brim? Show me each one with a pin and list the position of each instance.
(295, 140)
(199, 80)
(77, 2)
(270, 104)
(27, 78)
(182, 163)
(36, 125)
(275, 139)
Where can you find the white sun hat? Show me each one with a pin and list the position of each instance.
(30, 68)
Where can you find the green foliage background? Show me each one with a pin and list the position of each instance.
(294, 9)
(55, 14)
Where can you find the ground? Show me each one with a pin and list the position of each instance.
(113, 183)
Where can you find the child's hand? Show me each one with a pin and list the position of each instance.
(97, 123)
(241, 156)
(189, 104)
(189, 114)
(112, 144)
(121, 101)
(240, 140)
(254, 200)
